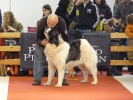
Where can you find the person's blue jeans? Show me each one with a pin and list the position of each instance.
(38, 67)
(85, 31)
(39, 58)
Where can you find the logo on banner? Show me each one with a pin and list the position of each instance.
(30, 54)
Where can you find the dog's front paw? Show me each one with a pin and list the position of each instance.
(94, 83)
(84, 81)
(46, 84)
(58, 85)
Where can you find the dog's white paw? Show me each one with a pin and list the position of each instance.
(58, 85)
(84, 81)
(46, 84)
(94, 83)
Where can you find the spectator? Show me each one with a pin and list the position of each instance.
(2, 54)
(10, 24)
(122, 10)
(46, 9)
(116, 3)
(62, 10)
(129, 32)
(52, 21)
(83, 9)
(0, 18)
(114, 42)
(89, 12)
(104, 13)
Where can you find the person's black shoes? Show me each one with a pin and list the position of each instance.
(131, 72)
(36, 82)
(110, 73)
(65, 82)
(117, 73)
(9, 73)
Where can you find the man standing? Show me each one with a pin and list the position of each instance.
(87, 16)
(55, 22)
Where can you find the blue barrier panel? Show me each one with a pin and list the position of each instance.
(27, 51)
(100, 42)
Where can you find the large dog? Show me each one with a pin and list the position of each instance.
(61, 55)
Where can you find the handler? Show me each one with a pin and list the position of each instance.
(57, 23)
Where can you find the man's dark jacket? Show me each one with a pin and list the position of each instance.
(60, 27)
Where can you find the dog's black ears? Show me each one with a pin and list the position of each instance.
(53, 32)
(53, 37)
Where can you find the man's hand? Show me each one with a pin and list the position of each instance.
(123, 26)
(44, 42)
(101, 16)
(78, 2)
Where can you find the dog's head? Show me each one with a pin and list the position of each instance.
(52, 36)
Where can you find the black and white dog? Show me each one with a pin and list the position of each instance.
(61, 55)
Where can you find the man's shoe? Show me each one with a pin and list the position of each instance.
(117, 73)
(132, 73)
(65, 82)
(36, 82)
(110, 73)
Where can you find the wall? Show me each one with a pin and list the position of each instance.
(28, 12)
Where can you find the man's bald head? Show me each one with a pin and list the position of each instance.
(52, 20)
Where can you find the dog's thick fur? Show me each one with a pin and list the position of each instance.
(61, 55)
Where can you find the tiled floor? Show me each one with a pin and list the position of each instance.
(126, 80)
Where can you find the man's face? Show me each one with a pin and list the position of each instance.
(51, 23)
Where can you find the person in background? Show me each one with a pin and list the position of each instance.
(2, 54)
(57, 23)
(129, 32)
(63, 11)
(46, 9)
(122, 10)
(85, 9)
(108, 28)
(104, 13)
(0, 18)
(116, 3)
(10, 24)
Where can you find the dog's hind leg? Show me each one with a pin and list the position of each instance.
(93, 70)
(85, 73)
(51, 72)
(61, 70)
